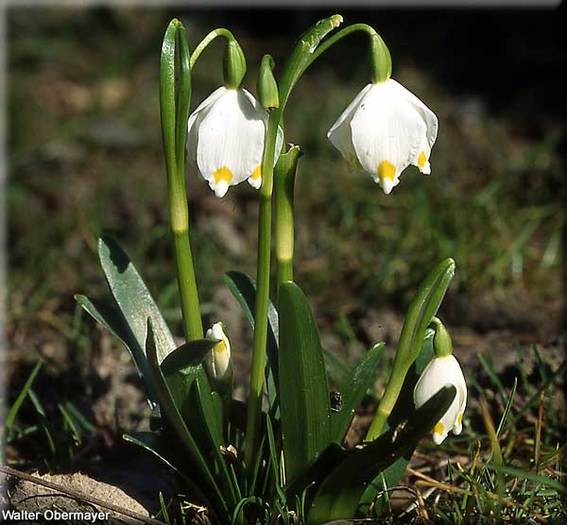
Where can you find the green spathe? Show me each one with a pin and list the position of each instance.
(442, 343)
(266, 85)
(234, 64)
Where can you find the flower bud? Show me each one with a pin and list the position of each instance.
(234, 65)
(266, 85)
(442, 343)
(218, 362)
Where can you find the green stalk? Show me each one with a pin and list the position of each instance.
(308, 49)
(262, 292)
(381, 61)
(284, 183)
(174, 110)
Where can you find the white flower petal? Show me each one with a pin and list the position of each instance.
(386, 134)
(220, 188)
(255, 179)
(421, 159)
(385, 129)
(430, 119)
(195, 120)
(340, 133)
(226, 138)
(439, 372)
(231, 138)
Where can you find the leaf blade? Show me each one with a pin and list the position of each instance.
(353, 389)
(304, 393)
(339, 494)
(133, 297)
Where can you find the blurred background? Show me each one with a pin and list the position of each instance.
(85, 157)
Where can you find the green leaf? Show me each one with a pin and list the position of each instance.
(531, 476)
(304, 393)
(161, 447)
(108, 315)
(303, 53)
(171, 413)
(403, 409)
(133, 298)
(353, 389)
(182, 370)
(422, 310)
(243, 287)
(337, 497)
(15, 408)
(337, 371)
(155, 443)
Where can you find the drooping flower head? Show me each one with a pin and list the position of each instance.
(226, 139)
(385, 129)
(442, 371)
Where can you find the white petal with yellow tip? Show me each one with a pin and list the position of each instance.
(226, 138)
(440, 372)
(385, 129)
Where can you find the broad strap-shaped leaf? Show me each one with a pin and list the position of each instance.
(338, 495)
(172, 415)
(337, 371)
(200, 407)
(108, 315)
(182, 369)
(133, 298)
(304, 393)
(353, 389)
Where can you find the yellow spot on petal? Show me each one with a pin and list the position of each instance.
(439, 428)
(223, 174)
(386, 171)
(421, 159)
(257, 173)
(220, 347)
(460, 419)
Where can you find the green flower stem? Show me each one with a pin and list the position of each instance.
(202, 45)
(420, 314)
(307, 50)
(284, 183)
(174, 109)
(262, 292)
(381, 60)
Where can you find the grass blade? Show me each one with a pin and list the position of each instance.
(16, 405)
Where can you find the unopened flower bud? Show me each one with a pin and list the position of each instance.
(266, 86)
(442, 343)
(218, 362)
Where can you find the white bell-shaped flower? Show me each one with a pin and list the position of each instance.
(385, 129)
(218, 361)
(226, 139)
(440, 372)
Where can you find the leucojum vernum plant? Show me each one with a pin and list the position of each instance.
(279, 456)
